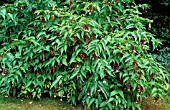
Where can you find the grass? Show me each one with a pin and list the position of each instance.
(12, 103)
(150, 104)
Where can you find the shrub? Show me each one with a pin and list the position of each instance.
(89, 52)
(160, 27)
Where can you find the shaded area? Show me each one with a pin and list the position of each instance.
(159, 13)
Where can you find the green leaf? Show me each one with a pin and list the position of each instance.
(108, 18)
(77, 70)
(73, 58)
(61, 93)
(111, 99)
(130, 26)
(3, 10)
(11, 16)
(65, 62)
(124, 56)
(114, 92)
(103, 104)
(19, 73)
(109, 105)
(91, 101)
(34, 41)
(154, 90)
(56, 81)
(134, 35)
(47, 48)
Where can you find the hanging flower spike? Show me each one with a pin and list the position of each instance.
(43, 56)
(88, 93)
(85, 27)
(142, 42)
(91, 37)
(66, 40)
(104, 80)
(111, 29)
(140, 75)
(134, 66)
(133, 49)
(55, 33)
(70, 3)
(104, 2)
(61, 63)
(117, 67)
(75, 38)
(128, 85)
(54, 68)
(82, 56)
(52, 17)
(41, 18)
(151, 76)
(43, 22)
(34, 30)
(87, 41)
(139, 88)
(113, 66)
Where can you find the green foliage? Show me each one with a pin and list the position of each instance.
(90, 52)
(163, 57)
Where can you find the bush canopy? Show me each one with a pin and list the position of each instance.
(90, 52)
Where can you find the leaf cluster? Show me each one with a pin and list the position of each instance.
(94, 53)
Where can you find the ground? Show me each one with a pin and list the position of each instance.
(11, 103)
(150, 104)
(28, 104)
